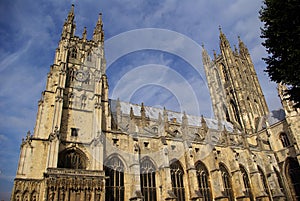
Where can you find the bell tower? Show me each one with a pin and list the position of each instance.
(72, 114)
(234, 88)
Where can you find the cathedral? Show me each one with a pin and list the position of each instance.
(87, 147)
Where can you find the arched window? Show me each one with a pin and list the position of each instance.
(235, 111)
(217, 76)
(114, 185)
(73, 53)
(226, 182)
(148, 183)
(203, 181)
(246, 182)
(226, 113)
(285, 140)
(70, 76)
(72, 159)
(89, 57)
(177, 180)
(224, 72)
(264, 181)
(292, 172)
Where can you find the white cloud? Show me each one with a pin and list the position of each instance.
(32, 30)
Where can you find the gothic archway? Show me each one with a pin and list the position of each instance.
(246, 181)
(203, 181)
(292, 172)
(72, 159)
(148, 180)
(177, 180)
(114, 185)
(226, 178)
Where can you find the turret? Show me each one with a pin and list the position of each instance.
(69, 25)
(224, 43)
(98, 35)
(243, 49)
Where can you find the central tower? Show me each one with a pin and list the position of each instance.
(234, 88)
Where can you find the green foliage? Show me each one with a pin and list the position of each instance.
(281, 32)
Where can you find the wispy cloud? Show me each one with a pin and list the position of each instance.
(30, 31)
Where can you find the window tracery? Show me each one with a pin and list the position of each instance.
(72, 159)
(226, 183)
(203, 181)
(177, 180)
(284, 140)
(148, 180)
(246, 182)
(114, 185)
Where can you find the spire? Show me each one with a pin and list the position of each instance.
(205, 57)
(215, 54)
(242, 47)
(84, 33)
(69, 25)
(143, 113)
(71, 14)
(223, 40)
(184, 120)
(131, 113)
(98, 31)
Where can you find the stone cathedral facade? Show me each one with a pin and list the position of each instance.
(90, 148)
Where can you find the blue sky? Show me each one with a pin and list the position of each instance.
(30, 31)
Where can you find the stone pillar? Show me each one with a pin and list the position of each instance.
(192, 176)
(217, 184)
(53, 148)
(136, 194)
(258, 187)
(238, 186)
(166, 177)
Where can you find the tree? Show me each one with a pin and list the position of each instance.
(281, 32)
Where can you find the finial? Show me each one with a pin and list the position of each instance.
(84, 33)
(71, 14)
(235, 49)
(131, 113)
(202, 44)
(143, 109)
(72, 9)
(215, 54)
(220, 28)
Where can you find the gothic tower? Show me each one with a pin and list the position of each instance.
(71, 115)
(87, 147)
(234, 88)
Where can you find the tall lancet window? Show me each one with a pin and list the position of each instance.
(292, 172)
(177, 180)
(147, 176)
(114, 186)
(226, 183)
(285, 140)
(246, 182)
(203, 181)
(264, 181)
(73, 53)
